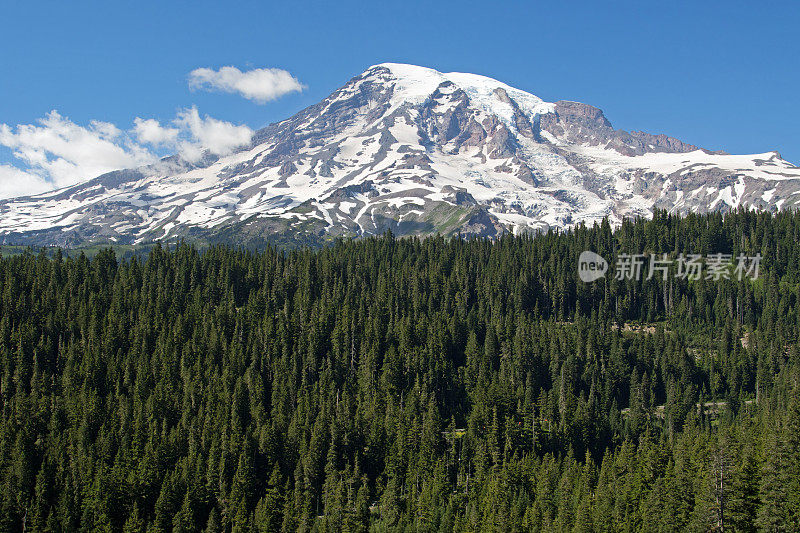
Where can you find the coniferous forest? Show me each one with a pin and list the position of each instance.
(391, 384)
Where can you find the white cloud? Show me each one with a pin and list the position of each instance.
(207, 133)
(55, 152)
(150, 131)
(16, 182)
(192, 135)
(66, 153)
(260, 85)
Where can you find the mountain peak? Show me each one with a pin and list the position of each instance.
(416, 151)
(414, 85)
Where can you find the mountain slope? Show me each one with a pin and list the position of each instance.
(416, 151)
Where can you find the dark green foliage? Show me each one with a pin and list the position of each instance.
(398, 384)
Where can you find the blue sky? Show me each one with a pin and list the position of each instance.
(722, 75)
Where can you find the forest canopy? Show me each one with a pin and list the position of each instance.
(405, 384)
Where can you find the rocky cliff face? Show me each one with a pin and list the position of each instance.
(412, 150)
(583, 124)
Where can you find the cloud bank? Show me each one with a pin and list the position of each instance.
(57, 152)
(16, 182)
(260, 85)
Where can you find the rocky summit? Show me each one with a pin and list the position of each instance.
(414, 151)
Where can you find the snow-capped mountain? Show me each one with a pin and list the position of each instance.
(416, 151)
